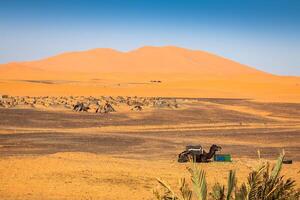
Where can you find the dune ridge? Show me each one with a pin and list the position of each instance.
(167, 59)
(146, 71)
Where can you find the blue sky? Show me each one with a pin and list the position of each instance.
(264, 34)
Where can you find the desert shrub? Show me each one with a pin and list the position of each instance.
(264, 183)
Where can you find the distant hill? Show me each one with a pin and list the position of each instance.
(147, 71)
(146, 59)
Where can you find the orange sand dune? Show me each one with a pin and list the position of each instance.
(145, 59)
(182, 72)
(19, 71)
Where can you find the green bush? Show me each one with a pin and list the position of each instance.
(262, 184)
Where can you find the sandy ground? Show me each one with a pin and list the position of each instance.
(275, 89)
(54, 154)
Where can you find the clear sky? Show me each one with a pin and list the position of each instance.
(261, 33)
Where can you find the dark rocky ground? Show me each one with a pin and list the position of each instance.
(155, 134)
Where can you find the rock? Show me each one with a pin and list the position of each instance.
(46, 104)
(93, 108)
(137, 108)
(121, 99)
(68, 106)
(101, 104)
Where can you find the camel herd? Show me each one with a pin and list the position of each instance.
(102, 104)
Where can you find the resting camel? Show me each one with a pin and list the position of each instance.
(198, 155)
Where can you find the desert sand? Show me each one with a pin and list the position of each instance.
(52, 152)
(163, 97)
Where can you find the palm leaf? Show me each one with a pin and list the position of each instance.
(254, 182)
(199, 182)
(185, 191)
(277, 168)
(231, 183)
(218, 192)
(242, 193)
(262, 184)
(168, 193)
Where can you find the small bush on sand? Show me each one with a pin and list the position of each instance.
(263, 183)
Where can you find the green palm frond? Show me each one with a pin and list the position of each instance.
(218, 192)
(277, 168)
(198, 178)
(241, 193)
(262, 184)
(168, 193)
(255, 181)
(186, 192)
(231, 184)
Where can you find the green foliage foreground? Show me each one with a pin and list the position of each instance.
(263, 183)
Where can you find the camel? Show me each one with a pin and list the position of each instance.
(198, 155)
(79, 107)
(107, 108)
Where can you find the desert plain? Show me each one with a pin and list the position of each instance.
(163, 99)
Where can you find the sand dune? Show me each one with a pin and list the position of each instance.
(147, 71)
(145, 59)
